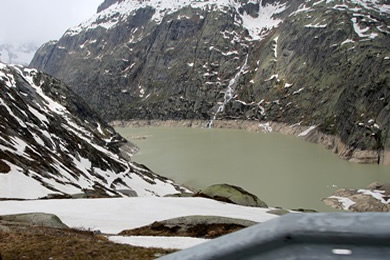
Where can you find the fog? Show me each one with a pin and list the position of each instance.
(38, 21)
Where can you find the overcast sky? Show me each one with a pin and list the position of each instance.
(39, 21)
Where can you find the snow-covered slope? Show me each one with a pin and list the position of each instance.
(256, 24)
(17, 54)
(52, 144)
(263, 18)
(114, 215)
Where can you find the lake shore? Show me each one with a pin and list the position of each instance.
(308, 133)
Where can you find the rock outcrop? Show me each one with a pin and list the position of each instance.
(36, 219)
(52, 145)
(231, 194)
(191, 226)
(376, 198)
(313, 63)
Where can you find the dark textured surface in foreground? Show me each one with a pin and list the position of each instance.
(330, 236)
(27, 242)
(191, 226)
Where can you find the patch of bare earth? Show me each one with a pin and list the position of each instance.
(198, 230)
(30, 242)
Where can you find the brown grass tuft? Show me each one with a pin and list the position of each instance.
(50, 243)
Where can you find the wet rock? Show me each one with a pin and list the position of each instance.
(231, 194)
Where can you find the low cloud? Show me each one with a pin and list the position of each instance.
(39, 21)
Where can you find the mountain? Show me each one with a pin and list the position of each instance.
(17, 53)
(53, 145)
(322, 63)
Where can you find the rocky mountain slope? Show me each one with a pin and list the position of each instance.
(322, 63)
(53, 145)
(17, 53)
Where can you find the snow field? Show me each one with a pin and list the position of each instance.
(113, 215)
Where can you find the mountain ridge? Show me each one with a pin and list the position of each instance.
(53, 145)
(315, 63)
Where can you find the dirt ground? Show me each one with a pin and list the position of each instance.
(30, 242)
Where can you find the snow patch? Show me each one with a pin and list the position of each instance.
(377, 194)
(256, 26)
(158, 242)
(275, 76)
(266, 127)
(307, 131)
(298, 91)
(116, 214)
(361, 32)
(16, 185)
(347, 41)
(38, 115)
(316, 26)
(275, 47)
(345, 202)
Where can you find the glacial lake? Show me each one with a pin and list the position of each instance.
(282, 170)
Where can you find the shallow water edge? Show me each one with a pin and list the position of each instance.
(308, 133)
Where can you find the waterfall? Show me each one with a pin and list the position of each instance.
(229, 92)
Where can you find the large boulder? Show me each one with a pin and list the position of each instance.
(231, 194)
(191, 226)
(385, 187)
(373, 199)
(37, 219)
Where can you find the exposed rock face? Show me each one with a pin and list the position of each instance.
(315, 63)
(375, 198)
(191, 226)
(37, 219)
(231, 194)
(53, 145)
(278, 212)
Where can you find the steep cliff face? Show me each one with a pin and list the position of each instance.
(52, 144)
(316, 63)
